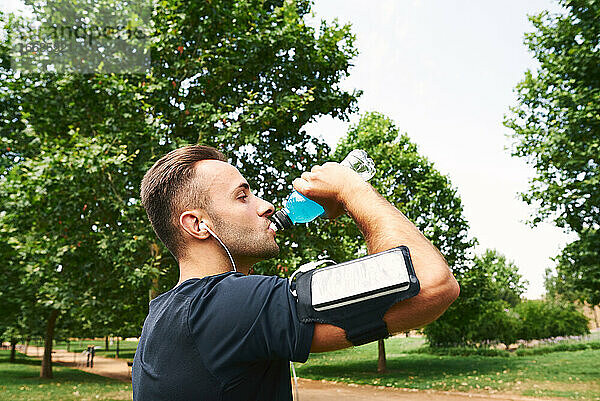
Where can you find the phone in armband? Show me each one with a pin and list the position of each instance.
(355, 295)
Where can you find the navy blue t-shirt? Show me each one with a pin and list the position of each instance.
(223, 337)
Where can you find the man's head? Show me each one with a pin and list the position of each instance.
(195, 184)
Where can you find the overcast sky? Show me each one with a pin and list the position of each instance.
(444, 71)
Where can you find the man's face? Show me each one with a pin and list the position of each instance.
(239, 218)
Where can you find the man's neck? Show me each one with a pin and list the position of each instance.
(204, 264)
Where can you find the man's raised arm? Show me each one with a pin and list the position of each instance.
(338, 188)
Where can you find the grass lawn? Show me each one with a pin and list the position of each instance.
(574, 375)
(20, 381)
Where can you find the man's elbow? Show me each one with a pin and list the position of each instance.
(453, 291)
(444, 293)
(450, 287)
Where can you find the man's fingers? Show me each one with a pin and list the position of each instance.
(300, 185)
(306, 176)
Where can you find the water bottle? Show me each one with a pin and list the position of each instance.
(299, 209)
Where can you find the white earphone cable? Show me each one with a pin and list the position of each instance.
(235, 270)
(295, 382)
(222, 244)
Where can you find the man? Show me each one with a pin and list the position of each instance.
(224, 335)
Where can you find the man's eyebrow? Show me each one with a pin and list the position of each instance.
(242, 185)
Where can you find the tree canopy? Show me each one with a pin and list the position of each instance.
(556, 126)
(242, 76)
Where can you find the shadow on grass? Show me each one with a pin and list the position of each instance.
(20, 360)
(21, 370)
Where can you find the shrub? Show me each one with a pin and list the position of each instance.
(557, 348)
(545, 319)
(491, 322)
(496, 323)
(468, 351)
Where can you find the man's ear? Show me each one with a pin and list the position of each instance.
(190, 222)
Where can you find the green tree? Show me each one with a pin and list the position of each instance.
(57, 235)
(508, 284)
(12, 295)
(578, 270)
(410, 182)
(489, 286)
(556, 128)
(243, 76)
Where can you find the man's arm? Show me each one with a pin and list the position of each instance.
(338, 188)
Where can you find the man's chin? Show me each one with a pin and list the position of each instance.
(272, 252)
(265, 253)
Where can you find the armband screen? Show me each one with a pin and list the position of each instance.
(355, 295)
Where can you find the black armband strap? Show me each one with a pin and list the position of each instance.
(355, 295)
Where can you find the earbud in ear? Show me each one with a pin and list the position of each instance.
(202, 225)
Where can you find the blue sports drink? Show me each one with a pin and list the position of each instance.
(299, 209)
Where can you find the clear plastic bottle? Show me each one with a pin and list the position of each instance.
(299, 209)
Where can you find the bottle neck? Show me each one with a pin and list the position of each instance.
(281, 219)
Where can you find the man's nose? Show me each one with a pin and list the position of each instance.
(266, 208)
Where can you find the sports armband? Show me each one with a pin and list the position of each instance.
(355, 295)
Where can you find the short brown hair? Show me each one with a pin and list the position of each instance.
(166, 192)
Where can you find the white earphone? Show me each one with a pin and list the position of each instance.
(202, 225)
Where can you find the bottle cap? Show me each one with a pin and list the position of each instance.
(281, 220)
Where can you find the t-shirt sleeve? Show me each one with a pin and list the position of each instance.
(250, 318)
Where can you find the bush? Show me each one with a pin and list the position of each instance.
(545, 319)
(489, 322)
(557, 348)
(496, 323)
(469, 351)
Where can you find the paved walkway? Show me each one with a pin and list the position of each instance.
(308, 390)
(315, 390)
(109, 367)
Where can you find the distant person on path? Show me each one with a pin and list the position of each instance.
(221, 334)
(91, 352)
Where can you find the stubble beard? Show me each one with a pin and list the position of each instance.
(255, 244)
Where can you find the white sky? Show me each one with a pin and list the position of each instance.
(444, 71)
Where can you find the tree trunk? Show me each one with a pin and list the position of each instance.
(117, 355)
(381, 362)
(27, 344)
(46, 371)
(154, 288)
(155, 252)
(106, 342)
(13, 350)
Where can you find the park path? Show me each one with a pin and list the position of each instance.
(308, 390)
(109, 367)
(315, 390)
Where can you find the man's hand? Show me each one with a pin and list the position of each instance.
(329, 185)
